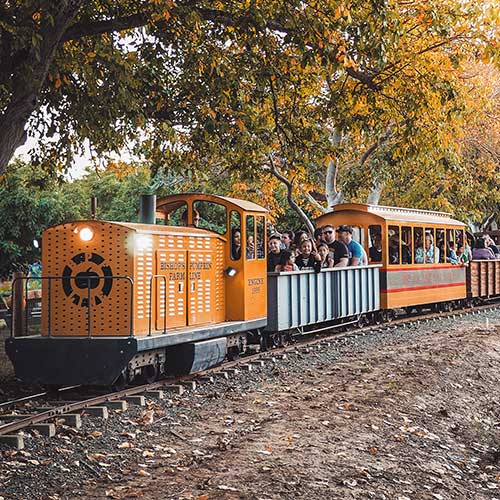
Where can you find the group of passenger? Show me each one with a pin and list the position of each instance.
(298, 251)
(485, 249)
(335, 247)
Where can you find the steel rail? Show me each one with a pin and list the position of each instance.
(263, 355)
(25, 399)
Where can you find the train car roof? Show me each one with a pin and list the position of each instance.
(245, 205)
(394, 214)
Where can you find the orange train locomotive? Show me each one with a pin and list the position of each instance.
(136, 300)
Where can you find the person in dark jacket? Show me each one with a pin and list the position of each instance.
(274, 254)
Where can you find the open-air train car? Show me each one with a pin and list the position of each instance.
(396, 238)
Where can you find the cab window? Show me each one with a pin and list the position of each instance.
(250, 251)
(175, 214)
(211, 216)
(260, 235)
(235, 235)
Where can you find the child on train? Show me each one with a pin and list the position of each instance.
(287, 262)
(308, 257)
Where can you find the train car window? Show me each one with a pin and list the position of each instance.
(431, 250)
(211, 216)
(250, 252)
(235, 223)
(450, 247)
(418, 242)
(375, 243)
(393, 238)
(441, 244)
(176, 214)
(359, 235)
(406, 245)
(260, 243)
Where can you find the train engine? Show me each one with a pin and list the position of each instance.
(126, 300)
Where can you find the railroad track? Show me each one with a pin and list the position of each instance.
(24, 417)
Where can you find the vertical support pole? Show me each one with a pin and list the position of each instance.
(18, 304)
(88, 307)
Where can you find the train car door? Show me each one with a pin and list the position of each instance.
(173, 266)
(201, 286)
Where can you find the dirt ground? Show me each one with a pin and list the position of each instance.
(410, 421)
(401, 418)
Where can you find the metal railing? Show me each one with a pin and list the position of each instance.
(88, 279)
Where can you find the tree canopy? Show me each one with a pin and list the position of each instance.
(343, 96)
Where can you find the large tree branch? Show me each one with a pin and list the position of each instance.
(289, 188)
(80, 30)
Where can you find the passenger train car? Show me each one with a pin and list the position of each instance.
(187, 287)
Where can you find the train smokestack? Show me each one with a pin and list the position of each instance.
(93, 207)
(147, 209)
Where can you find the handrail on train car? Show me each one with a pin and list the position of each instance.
(324, 269)
(164, 279)
(89, 307)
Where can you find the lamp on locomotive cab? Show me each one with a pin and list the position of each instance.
(230, 271)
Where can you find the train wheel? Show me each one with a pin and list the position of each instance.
(264, 342)
(388, 315)
(233, 353)
(362, 321)
(150, 373)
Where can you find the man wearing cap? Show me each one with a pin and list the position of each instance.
(274, 254)
(338, 249)
(356, 251)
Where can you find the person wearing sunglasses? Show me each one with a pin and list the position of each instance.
(339, 251)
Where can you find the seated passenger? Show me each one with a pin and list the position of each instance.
(427, 253)
(196, 218)
(462, 255)
(326, 255)
(308, 258)
(337, 248)
(273, 256)
(451, 255)
(250, 247)
(356, 251)
(393, 247)
(287, 239)
(375, 251)
(318, 236)
(480, 252)
(490, 244)
(287, 262)
(300, 236)
(405, 253)
(442, 252)
(235, 244)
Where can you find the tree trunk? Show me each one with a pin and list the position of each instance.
(333, 196)
(29, 81)
(374, 195)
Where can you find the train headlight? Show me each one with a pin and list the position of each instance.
(143, 242)
(86, 234)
